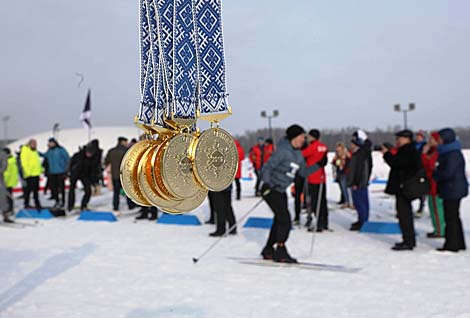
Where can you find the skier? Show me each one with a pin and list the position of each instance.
(32, 169)
(222, 201)
(436, 208)
(358, 177)
(452, 186)
(241, 156)
(58, 159)
(277, 174)
(114, 158)
(316, 152)
(11, 177)
(404, 165)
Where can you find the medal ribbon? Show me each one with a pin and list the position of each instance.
(211, 57)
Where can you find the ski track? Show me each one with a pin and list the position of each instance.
(68, 268)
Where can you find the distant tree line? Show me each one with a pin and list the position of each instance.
(331, 136)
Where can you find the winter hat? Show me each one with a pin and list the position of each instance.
(435, 135)
(7, 151)
(293, 131)
(421, 134)
(121, 139)
(447, 135)
(269, 141)
(52, 139)
(405, 133)
(359, 137)
(315, 133)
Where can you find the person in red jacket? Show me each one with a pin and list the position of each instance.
(316, 152)
(257, 159)
(435, 203)
(241, 156)
(268, 150)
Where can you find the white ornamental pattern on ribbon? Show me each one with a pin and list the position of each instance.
(212, 94)
(182, 59)
(185, 67)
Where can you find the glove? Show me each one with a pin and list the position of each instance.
(324, 161)
(265, 189)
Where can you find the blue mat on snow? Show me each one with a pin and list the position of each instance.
(260, 223)
(381, 228)
(97, 216)
(379, 181)
(35, 214)
(179, 219)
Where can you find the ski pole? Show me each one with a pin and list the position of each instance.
(196, 259)
(317, 217)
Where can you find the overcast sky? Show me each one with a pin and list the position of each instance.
(320, 63)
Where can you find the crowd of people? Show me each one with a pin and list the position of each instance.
(420, 166)
(56, 165)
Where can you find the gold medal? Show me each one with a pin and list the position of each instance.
(215, 159)
(128, 172)
(176, 166)
(188, 205)
(148, 184)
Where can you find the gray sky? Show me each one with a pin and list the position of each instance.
(320, 63)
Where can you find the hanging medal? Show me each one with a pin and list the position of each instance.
(214, 153)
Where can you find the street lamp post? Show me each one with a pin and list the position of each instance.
(274, 114)
(5, 120)
(410, 108)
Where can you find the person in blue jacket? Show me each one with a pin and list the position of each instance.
(58, 160)
(452, 186)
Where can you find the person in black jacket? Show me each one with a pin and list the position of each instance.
(452, 186)
(82, 168)
(404, 165)
(360, 168)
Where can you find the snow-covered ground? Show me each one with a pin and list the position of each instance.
(70, 268)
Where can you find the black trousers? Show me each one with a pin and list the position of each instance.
(212, 216)
(117, 186)
(32, 185)
(314, 192)
(299, 184)
(57, 186)
(224, 211)
(258, 181)
(405, 219)
(86, 197)
(280, 229)
(238, 188)
(10, 200)
(455, 239)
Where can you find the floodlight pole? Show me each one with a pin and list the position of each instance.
(274, 114)
(410, 108)
(5, 120)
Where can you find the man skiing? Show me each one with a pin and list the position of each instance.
(277, 174)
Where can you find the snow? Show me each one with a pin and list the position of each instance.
(69, 268)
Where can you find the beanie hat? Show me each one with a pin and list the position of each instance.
(359, 137)
(293, 131)
(405, 133)
(435, 135)
(315, 133)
